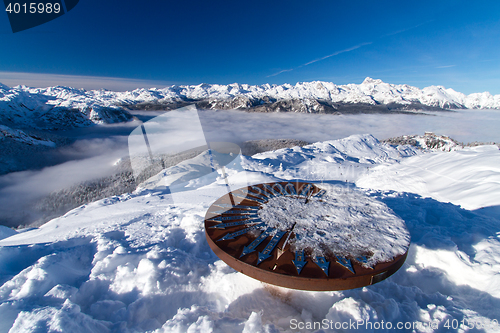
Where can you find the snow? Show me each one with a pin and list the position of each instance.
(140, 262)
(466, 177)
(54, 107)
(21, 136)
(6, 232)
(434, 142)
(342, 221)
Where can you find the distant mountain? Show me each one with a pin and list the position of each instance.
(56, 107)
(311, 97)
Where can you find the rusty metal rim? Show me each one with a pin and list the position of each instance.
(301, 283)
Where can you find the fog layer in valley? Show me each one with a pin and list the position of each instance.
(97, 150)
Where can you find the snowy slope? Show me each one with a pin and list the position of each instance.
(466, 177)
(21, 136)
(41, 107)
(6, 232)
(140, 262)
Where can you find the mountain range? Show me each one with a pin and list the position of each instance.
(56, 107)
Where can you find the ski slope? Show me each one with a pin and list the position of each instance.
(140, 262)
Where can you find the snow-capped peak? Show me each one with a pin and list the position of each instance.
(369, 80)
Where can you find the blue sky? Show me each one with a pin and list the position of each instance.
(154, 42)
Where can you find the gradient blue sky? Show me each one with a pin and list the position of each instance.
(452, 43)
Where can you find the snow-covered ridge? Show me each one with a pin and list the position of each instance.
(102, 106)
(21, 136)
(57, 107)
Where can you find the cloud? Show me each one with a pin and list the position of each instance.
(283, 71)
(337, 53)
(322, 58)
(39, 80)
(93, 156)
(407, 29)
(236, 126)
(448, 66)
(350, 49)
